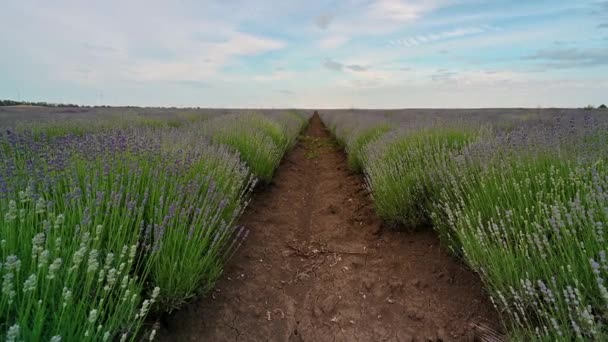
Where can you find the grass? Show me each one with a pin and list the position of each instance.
(314, 144)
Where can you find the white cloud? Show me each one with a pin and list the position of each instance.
(399, 10)
(333, 42)
(323, 21)
(278, 75)
(79, 45)
(197, 61)
(434, 37)
(242, 44)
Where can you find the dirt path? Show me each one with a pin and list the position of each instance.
(316, 268)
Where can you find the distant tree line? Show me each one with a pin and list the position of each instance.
(28, 103)
(4, 103)
(590, 107)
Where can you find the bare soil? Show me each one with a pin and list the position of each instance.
(318, 267)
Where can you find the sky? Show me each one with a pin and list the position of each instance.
(306, 54)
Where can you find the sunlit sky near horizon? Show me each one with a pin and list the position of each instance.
(313, 54)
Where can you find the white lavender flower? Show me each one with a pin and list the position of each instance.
(30, 283)
(93, 263)
(59, 220)
(78, 256)
(67, 296)
(13, 333)
(98, 232)
(144, 309)
(40, 206)
(132, 252)
(11, 215)
(124, 282)
(43, 259)
(155, 293)
(55, 266)
(109, 260)
(12, 263)
(111, 278)
(92, 316)
(38, 244)
(8, 288)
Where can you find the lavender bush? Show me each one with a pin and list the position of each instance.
(100, 226)
(260, 140)
(522, 199)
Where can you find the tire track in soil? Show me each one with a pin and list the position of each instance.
(317, 267)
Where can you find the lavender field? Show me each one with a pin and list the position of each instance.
(111, 214)
(520, 195)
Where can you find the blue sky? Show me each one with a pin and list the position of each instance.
(315, 54)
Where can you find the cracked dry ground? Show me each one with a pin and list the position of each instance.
(318, 267)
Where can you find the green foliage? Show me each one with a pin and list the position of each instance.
(65, 277)
(261, 141)
(95, 219)
(533, 229)
(526, 209)
(400, 175)
(357, 144)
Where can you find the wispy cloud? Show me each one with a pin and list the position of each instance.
(435, 37)
(443, 75)
(333, 65)
(476, 77)
(366, 83)
(337, 66)
(562, 43)
(191, 84)
(277, 75)
(601, 12)
(323, 21)
(333, 42)
(571, 58)
(99, 47)
(399, 10)
(356, 67)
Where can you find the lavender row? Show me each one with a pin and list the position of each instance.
(521, 198)
(100, 227)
